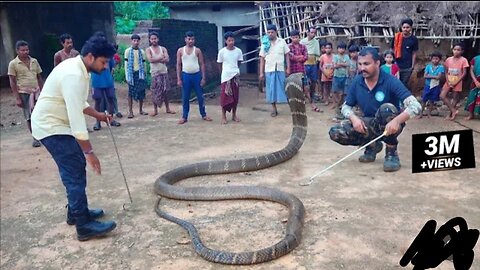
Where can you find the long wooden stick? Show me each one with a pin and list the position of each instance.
(326, 169)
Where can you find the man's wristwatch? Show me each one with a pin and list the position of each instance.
(88, 152)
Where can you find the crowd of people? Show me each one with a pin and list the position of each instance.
(369, 98)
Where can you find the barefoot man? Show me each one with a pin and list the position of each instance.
(229, 58)
(158, 58)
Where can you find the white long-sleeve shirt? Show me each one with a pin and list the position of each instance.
(59, 109)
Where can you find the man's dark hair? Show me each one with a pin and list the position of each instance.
(312, 27)
(322, 43)
(387, 52)
(342, 45)
(227, 35)
(353, 48)
(295, 32)
(407, 21)
(64, 37)
(272, 27)
(328, 43)
(460, 44)
(372, 51)
(153, 33)
(100, 34)
(21, 43)
(189, 34)
(436, 54)
(135, 36)
(98, 46)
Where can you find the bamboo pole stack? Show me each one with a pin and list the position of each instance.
(302, 15)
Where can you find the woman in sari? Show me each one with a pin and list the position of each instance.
(473, 101)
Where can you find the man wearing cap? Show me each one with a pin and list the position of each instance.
(273, 54)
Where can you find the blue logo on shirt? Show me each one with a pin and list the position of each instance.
(379, 96)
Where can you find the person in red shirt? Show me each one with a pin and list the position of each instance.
(326, 70)
(455, 70)
(117, 59)
(298, 55)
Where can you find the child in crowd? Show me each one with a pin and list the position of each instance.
(319, 95)
(434, 71)
(341, 61)
(473, 101)
(353, 66)
(456, 70)
(390, 66)
(326, 69)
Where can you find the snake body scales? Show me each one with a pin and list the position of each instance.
(164, 186)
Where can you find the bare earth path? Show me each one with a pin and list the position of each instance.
(358, 217)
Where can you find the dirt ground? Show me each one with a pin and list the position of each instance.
(357, 216)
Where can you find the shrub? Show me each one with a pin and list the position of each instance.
(124, 25)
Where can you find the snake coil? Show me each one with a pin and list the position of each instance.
(164, 186)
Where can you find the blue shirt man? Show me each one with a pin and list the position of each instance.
(104, 79)
(387, 90)
(378, 94)
(104, 93)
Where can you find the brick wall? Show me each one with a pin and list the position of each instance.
(172, 37)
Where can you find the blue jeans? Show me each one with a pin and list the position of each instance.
(71, 163)
(192, 81)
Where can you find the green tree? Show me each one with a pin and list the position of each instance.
(158, 11)
(128, 13)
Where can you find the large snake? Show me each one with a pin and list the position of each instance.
(164, 187)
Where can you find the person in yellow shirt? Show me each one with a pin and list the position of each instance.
(26, 81)
(58, 121)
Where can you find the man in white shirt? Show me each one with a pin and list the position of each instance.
(274, 66)
(228, 59)
(58, 121)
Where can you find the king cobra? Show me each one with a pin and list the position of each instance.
(164, 186)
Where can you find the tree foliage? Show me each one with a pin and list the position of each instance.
(140, 10)
(128, 13)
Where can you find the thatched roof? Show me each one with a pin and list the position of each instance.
(435, 21)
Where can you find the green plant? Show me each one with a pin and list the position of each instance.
(124, 25)
(119, 72)
(158, 11)
(140, 10)
(127, 10)
(128, 13)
